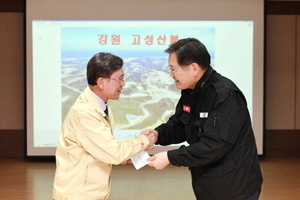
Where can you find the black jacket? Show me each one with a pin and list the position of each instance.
(222, 156)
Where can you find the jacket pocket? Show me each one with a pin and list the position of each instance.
(200, 124)
(218, 170)
(200, 127)
(218, 125)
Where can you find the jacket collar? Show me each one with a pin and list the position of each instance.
(201, 83)
(92, 99)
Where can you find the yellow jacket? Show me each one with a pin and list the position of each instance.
(86, 151)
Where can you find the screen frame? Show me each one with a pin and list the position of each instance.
(141, 10)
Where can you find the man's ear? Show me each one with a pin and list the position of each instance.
(100, 82)
(195, 69)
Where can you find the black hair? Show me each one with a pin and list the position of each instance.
(102, 65)
(190, 50)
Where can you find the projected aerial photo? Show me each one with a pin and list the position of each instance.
(149, 96)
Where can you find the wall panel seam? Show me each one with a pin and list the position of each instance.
(296, 69)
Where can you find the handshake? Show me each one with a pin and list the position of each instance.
(159, 160)
(151, 135)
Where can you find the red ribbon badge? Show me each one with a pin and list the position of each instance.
(186, 109)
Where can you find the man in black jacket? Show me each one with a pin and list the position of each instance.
(212, 116)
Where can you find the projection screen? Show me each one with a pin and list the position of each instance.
(62, 35)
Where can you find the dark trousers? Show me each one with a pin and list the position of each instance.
(254, 196)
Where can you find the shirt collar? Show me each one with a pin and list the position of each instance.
(101, 102)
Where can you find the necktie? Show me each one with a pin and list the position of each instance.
(106, 111)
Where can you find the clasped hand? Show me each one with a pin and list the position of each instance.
(159, 160)
(151, 136)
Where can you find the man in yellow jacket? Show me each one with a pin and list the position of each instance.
(87, 148)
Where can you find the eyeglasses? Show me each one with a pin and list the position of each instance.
(121, 81)
(175, 70)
